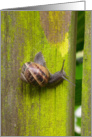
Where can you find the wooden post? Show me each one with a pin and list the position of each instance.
(86, 84)
(28, 110)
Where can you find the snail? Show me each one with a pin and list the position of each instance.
(36, 73)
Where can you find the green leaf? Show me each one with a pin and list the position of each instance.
(78, 90)
(80, 30)
(76, 134)
(78, 123)
(79, 71)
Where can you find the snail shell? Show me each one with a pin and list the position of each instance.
(35, 74)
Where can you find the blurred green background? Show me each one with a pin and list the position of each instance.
(79, 67)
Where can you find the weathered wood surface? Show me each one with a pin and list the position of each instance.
(27, 110)
(86, 84)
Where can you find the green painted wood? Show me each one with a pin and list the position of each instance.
(28, 110)
(86, 84)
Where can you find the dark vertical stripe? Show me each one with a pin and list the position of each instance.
(42, 72)
(40, 78)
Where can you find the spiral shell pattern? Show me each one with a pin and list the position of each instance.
(35, 74)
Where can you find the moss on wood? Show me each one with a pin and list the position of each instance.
(28, 110)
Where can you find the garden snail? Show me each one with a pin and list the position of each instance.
(36, 73)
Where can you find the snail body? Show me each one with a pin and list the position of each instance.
(36, 73)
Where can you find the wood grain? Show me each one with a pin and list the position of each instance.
(86, 84)
(28, 110)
